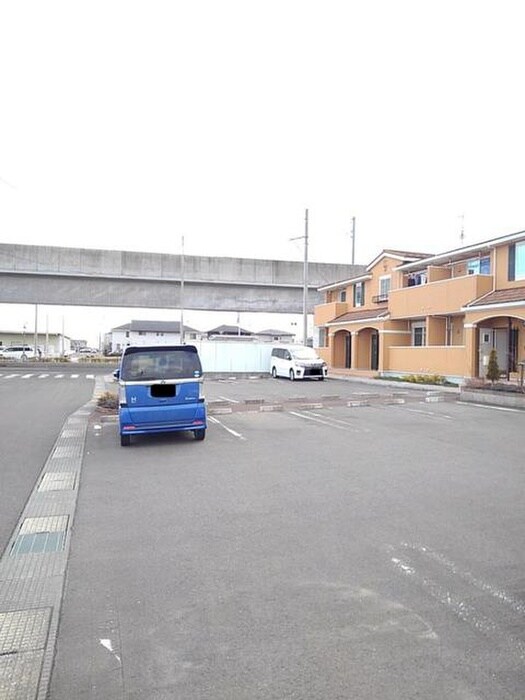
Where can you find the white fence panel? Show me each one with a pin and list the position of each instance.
(234, 356)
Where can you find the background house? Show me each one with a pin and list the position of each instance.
(147, 333)
(272, 335)
(231, 332)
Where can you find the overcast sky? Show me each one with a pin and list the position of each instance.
(126, 125)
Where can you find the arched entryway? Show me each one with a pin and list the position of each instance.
(343, 349)
(506, 335)
(368, 349)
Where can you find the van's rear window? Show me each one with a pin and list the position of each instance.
(152, 364)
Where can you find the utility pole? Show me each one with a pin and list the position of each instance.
(353, 240)
(305, 280)
(305, 276)
(182, 292)
(35, 343)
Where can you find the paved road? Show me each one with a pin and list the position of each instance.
(364, 553)
(33, 408)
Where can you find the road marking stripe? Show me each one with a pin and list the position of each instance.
(343, 422)
(429, 413)
(316, 420)
(494, 408)
(58, 376)
(498, 593)
(26, 376)
(90, 376)
(43, 376)
(225, 398)
(74, 376)
(229, 430)
(10, 376)
(462, 608)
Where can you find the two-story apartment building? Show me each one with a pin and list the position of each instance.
(414, 313)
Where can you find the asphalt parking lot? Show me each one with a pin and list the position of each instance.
(363, 551)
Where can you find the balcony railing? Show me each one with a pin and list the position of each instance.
(380, 298)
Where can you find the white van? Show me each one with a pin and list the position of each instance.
(17, 352)
(297, 362)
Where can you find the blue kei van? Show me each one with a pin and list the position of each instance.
(160, 391)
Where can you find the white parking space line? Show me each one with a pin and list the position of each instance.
(212, 419)
(314, 419)
(58, 376)
(26, 376)
(225, 398)
(10, 376)
(492, 408)
(74, 376)
(432, 414)
(342, 422)
(43, 376)
(90, 376)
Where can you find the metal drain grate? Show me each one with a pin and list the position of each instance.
(39, 535)
(57, 481)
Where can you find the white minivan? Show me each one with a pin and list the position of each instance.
(297, 362)
(17, 352)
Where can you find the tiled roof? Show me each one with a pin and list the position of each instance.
(361, 315)
(154, 327)
(500, 296)
(406, 254)
(229, 330)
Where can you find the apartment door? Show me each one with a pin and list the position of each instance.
(493, 338)
(374, 350)
(348, 350)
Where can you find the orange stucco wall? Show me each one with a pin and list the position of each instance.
(429, 360)
(443, 297)
(501, 267)
(324, 313)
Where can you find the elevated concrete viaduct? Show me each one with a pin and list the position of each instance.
(89, 277)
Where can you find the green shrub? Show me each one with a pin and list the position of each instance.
(493, 371)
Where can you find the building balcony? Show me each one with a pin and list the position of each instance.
(380, 298)
(441, 297)
(324, 313)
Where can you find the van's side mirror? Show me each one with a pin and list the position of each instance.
(116, 375)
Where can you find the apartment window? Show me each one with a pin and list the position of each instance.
(517, 261)
(419, 334)
(417, 278)
(142, 332)
(479, 266)
(159, 334)
(359, 294)
(342, 295)
(384, 287)
(321, 338)
(127, 334)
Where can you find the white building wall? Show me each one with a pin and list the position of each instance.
(233, 356)
(119, 339)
